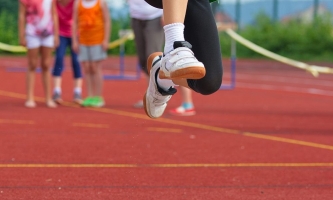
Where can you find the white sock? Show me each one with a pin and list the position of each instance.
(77, 90)
(57, 90)
(165, 84)
(173, 32)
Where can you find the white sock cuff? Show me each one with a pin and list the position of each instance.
(57, 89)
(173, 32)
(180, 25)
(77, 90)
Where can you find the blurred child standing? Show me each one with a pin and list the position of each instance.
(65, 15)
(147, 25)
(38, 32)
(92, 24)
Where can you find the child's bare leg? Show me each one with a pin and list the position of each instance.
(186, 108)
(30, 80)
(57, 82)
(186, 95)
(177, 63)
(96, 84)
(78, 83)
(46, 59)
(88, 72)
(97, 78)
(174, 11)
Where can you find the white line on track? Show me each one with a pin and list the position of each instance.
(270, 78)
(284, 88)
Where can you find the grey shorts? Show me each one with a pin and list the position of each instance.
(91, 53)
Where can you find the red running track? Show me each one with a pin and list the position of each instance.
(270, 138)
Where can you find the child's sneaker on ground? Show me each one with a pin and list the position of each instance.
(57, 98)
(97, 102)
(155, 100)
(78, 98)
(181, 63)
(181, 111)
(87, 102)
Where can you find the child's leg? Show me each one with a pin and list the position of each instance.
(201, 32)
(138, 29)
(187, 107)
(46, 59)
(174, 11)
(97, 55)
(160, 91)
(90, 84)
(32, 63)
(77, 76)
(186, 96)
(58, 68)
(180, 64)
(88, 76)
(96, 84)
(97, 78)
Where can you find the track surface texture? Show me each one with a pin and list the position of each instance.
(269, 138)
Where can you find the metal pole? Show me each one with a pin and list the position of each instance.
(233, 63)
(315, 9)
(275, 10)
(238, 14)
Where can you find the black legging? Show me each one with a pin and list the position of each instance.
(201, 32)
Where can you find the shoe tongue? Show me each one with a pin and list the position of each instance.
(177, 44)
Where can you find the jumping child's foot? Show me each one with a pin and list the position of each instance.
(181, 63)
(155, 100)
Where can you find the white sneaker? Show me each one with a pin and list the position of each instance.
(181, 63)
(155, 100)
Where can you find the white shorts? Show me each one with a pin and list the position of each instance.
(39, 41)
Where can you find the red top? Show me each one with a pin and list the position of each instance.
(65, 15)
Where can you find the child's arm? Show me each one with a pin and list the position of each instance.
(107, 25)
(55, 24)
(75, 44)
(21, 24)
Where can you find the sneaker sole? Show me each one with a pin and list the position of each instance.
(98, 106)
(193, 72)
(149, 65)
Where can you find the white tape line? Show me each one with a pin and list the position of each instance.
(15, 49)
(313, 69)
(20, 49)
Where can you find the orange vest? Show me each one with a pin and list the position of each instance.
(91, 24)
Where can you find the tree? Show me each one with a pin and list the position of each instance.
(9, 5)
